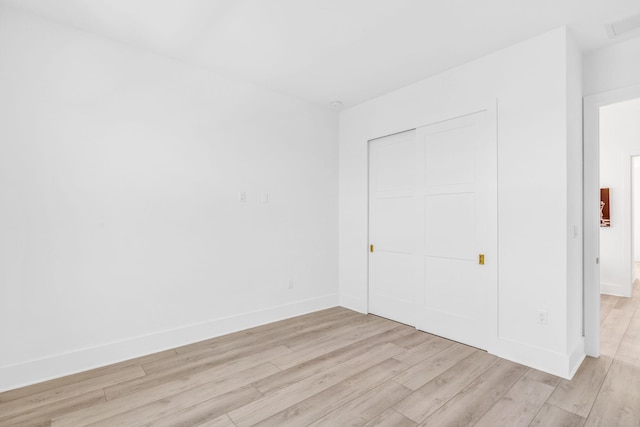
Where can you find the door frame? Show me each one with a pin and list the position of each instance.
(591, 200)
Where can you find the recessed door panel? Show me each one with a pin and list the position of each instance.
(450, 154)
(394, 287)
(394, 218)
(450, 225)
(391, 169)
(450, 282)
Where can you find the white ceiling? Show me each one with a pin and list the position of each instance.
(325, 50)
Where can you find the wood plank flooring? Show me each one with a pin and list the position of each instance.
(340, 368)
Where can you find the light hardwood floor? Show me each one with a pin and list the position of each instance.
(340, 368)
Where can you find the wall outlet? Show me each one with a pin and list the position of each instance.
(542, 317)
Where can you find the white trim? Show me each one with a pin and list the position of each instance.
(592, 287)
(615, 289)
(55, 366)
(591, 244)
(555, 363)
(576, 357)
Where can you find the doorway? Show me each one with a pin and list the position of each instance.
(619, 142)
(604, 269)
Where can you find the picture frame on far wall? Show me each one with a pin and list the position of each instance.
(605, 211)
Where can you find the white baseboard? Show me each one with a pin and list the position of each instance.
(555, 363)
(615, 289)
(577, 356)
(59, 365)
(353, 303)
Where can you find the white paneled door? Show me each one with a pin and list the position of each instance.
(393, 266)
(433, 216)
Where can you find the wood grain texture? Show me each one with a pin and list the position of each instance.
(162, 392)
(191, 407)
(321, 404)
(193, 374)
(618, 402)
(607, 303)
(92, 375)
(423, 402)
(425, 371)
(334, 340)
(414, 339)
(207, 412)
(551, 416)
(222, 421)
(543, 377)
(629, 349)
(366, 407)
(49, 397)
(340, 368)
(518, 406)
(281, 399)
(578, 395)
(612, 330)
(48, 412)
(425, 350)
(296, 373)
(390, 417)
(467, 406)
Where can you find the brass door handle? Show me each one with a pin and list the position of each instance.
(370, 248)
(481, 259)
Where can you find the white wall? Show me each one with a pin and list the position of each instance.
(619, 141)
(537, 132)
(613, 67)
(122, 232)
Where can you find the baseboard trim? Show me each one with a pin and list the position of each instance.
(555, 363)
(60, 365)
(577, 356)
(615, 289)
(353, 303)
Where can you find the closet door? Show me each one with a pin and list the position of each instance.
(433, 228)
(393, 258)
(458, 211)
